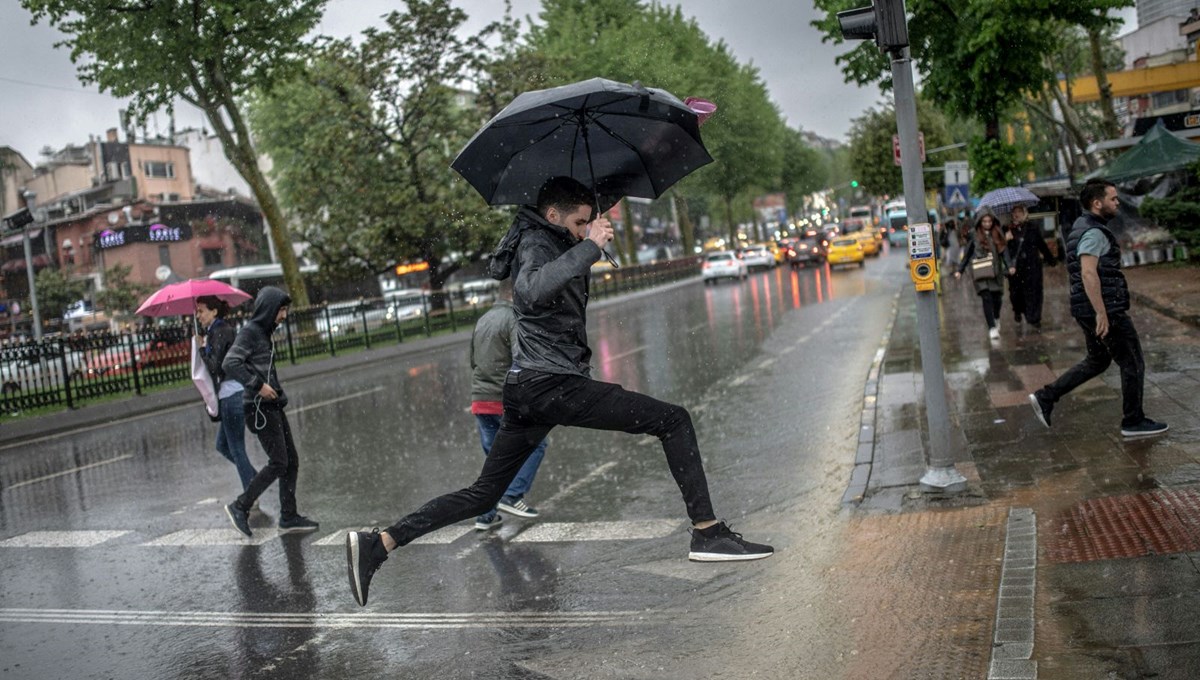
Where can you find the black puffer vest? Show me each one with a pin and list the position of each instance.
(1113, 290)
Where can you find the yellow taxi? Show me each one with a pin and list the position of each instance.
(778, 253)
(845, 250)
(869, 244)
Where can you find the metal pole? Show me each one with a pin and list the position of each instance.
(33, 302)
(940, 474)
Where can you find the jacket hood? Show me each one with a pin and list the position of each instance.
(531, 217)
(267, 305)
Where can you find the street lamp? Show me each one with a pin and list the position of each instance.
(30, 198)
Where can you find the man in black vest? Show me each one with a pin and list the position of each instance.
(1099, 303)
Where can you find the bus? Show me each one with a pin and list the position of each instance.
(253, 278)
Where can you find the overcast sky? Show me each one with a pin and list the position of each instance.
(42, 103)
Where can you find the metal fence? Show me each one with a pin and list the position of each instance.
(72, 370)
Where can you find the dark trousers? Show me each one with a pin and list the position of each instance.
(993, 301)
(1025, 293)
(534, 403)
(1120, 345)
(270, 424)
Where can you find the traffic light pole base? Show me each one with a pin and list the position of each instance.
(943, 480)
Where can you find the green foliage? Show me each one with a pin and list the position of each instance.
(56, 290)
(362, 145)
(994, 164)
(1178, 213)
(805, 170)
(120, 295)
(871, 146)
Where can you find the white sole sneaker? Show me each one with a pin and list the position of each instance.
(1128, 434)
(1037, 410)
(725, 557)
(516, 511)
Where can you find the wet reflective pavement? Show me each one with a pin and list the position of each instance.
(1118, 521)
(118, 561)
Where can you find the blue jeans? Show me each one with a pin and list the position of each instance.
(488, 427)
(231, 438)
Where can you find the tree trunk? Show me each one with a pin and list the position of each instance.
(687, 232)
(1112, 129)
(729, 221)
(1071, 123)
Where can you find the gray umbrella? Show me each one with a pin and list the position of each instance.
(627, 140)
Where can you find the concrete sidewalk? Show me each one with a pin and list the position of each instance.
(1112, 561)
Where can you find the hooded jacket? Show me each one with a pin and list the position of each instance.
(251, 359)
(550, 295)
(220, 339)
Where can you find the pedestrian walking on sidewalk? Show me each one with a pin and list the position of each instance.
(952, 244)
(1100, 305)
(491, 358)
(985, 256)
(218, 338)
(550, 385)
(251, 361)
(1026, 249)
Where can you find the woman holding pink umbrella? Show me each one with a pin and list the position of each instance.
(218, 337)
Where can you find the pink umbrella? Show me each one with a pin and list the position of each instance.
(179, 299)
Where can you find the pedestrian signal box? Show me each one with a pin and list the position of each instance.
(921, 264)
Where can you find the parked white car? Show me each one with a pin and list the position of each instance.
(723, 264)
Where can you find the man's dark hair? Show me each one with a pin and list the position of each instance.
(1094, 190)
(214, 303)
(564, 194)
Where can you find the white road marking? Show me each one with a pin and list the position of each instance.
(207, 537)
(61, 539)
(68, 472)
(597, 531)
(570, 488)
(738, 380)
(445, 535)
(327, 402)
(339, 537)
(765, 363)
(518, 619)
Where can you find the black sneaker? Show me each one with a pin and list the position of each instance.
(725, 545)
(239, 517)
(1041, 408)
(364, 554)
(298, 523)
(1144, 429)
(484, 524)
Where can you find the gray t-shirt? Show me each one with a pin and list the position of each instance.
(1093, 242)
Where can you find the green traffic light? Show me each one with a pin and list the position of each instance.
(854, 183)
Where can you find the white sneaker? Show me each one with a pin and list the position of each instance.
(994, 333)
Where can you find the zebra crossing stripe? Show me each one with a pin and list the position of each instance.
(550, 532)
(518, 619)
(208, 537)
(61, 539)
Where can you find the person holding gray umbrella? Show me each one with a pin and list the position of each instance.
(550, 385)
(1027, 250)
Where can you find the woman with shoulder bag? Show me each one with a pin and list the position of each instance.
(218, 337)
(985, 257)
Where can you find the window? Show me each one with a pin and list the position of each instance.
(160, 169)
(212, 256)
(164, 255)
(125, 172)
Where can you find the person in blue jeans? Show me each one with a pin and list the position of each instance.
(491, 359)
(218, 337)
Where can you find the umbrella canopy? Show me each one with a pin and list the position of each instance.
(179, 299)
(1159, 151)
(628, 140)
(1002, 201)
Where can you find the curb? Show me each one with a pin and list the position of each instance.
(12, 434)
(1166, 310)
(864, 457)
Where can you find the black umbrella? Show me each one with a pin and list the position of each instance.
(629, 140)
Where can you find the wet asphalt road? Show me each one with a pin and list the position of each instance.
(152, 582)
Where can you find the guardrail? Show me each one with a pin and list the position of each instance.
(68, 371)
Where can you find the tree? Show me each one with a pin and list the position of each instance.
(362, 142)
(121, 296)
(210, 53)
(871, 135)
(804, 170)
(56, 291)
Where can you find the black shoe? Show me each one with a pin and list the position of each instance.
(364, 554)
(298, 523)
(239, 517)
(1041, 408)
(724, 545)
(1144, 429)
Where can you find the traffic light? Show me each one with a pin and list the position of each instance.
(854, 183)
(17, 221)
(884, 22)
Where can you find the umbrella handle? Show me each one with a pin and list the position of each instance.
(611, 260)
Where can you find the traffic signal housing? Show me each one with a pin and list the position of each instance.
(884, 22)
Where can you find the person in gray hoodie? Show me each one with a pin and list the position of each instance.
(251, 362)
(550, 384)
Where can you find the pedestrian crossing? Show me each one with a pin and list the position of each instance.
(541, 532)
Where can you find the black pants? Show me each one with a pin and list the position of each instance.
(534, 403)
(1120, 345)
(270, 424)
(993, 301)
(1025, 293)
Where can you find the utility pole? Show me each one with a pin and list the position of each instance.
(886, 22)
(31, 201)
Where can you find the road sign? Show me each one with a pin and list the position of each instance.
(957, 196)
(920, 241)
(957, 172)
(896, 147)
